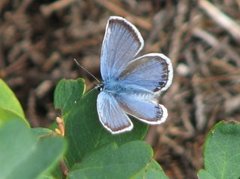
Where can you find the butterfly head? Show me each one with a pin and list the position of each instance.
(100, 87)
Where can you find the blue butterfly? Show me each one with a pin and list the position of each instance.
(131, 86)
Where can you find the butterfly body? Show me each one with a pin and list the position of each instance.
(131, 86)
(117, 87)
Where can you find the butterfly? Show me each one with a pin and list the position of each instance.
(131, 85)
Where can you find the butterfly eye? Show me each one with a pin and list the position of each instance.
(100, 87)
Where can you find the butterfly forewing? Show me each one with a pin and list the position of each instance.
(113, 118)
(121, 43)
(152, 71)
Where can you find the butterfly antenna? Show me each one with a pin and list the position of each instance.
(90, 90)
(78, 64)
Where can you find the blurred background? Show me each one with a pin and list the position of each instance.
(40, 38)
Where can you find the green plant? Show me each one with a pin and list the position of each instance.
(91, 151)
(222, 152)
(25, 152)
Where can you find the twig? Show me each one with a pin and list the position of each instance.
(3, 3)
(78, 46)
(64, 168)
(51, 61)
(145, 24)
(56, 6)
(43, 88)
(232, 104)
(200, 113)
(23, 6)
(215, 43)
(221, 19)
(177, 36)
(31, 109)
(17, 65)
(179, 150)
(218, 78)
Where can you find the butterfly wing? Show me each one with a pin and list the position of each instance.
(122, 42)
(143, 108)
(112, 117)
(152, 72)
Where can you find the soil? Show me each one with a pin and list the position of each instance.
(40, 38)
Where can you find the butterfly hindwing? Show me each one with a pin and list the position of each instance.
(142, 108)
(122, 41)
(113, 118)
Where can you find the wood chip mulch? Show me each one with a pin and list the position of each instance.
(40, 39)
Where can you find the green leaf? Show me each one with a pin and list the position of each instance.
(115, 161)
(42, 132)
(10, 103)
(204, 174)
(23, 155)
(6, 115)
(47, 177)
(84, 131)
(68, 93)
(222, 154)
(151, 171)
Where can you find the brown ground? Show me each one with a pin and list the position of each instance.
(40, 38)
